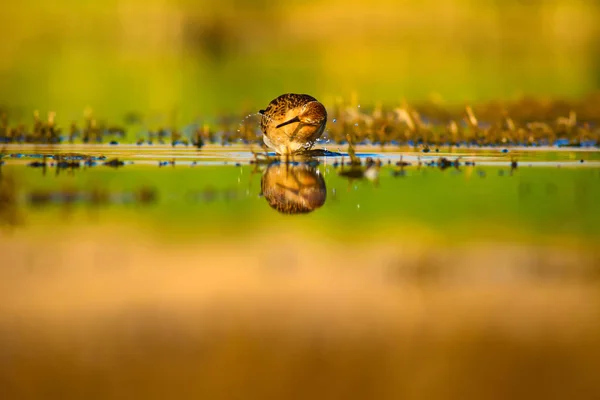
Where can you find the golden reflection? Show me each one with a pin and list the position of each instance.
(293, 189)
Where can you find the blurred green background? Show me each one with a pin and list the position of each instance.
(203, 58)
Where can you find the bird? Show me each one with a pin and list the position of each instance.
(292, 123)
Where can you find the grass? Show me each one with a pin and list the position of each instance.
(525, 122)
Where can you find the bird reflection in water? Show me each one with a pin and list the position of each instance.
(293, 189)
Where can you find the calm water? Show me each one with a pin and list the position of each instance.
(534, 191)
(193, 274)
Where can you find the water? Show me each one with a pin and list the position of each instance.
(210, 154)
(211, 266)
(467, 187)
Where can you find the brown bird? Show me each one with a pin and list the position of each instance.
(292, 123)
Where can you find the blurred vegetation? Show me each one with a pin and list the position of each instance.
(526, 122)
(186, 59)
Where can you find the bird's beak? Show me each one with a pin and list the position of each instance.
(291, 121)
